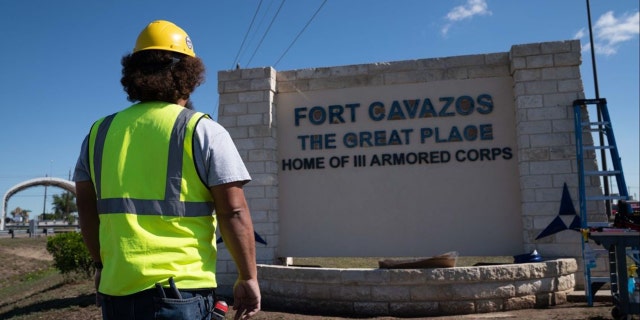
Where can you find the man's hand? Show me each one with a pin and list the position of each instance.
(246, 299)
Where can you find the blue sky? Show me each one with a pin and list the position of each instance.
(61, 59)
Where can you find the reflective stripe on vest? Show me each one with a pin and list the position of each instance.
(171, 205)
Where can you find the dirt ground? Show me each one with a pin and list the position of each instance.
(30, 289)
(569, 311)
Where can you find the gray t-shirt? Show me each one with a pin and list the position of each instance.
(217, 158)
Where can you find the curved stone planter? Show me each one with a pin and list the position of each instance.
(416, 292)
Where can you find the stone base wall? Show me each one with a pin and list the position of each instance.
(416, 292)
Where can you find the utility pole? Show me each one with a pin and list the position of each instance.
(66, 201)
(603, 152)
(44, 203)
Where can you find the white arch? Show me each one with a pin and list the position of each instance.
(45, 181)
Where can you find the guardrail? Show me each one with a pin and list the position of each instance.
(45, 230)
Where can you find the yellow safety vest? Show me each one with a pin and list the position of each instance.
(156, 214)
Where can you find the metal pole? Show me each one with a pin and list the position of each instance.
(603, 153)
(44, 203)
(593, 54)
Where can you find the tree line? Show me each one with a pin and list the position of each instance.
(64, 207)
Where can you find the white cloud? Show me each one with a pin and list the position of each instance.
(609, 32)
(472, 8)
(467, 11)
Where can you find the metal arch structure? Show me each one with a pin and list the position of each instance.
(45, 181)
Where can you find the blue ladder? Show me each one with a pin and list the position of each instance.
(605, 129)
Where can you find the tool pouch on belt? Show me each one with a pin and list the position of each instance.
(171, 309)
(171, 305)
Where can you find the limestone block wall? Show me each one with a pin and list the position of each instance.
(246, 111)
(417, 292)
(546, 81)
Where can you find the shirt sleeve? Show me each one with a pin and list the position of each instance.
(216, 156)
(81, 172)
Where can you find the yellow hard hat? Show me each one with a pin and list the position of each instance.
(164, 35)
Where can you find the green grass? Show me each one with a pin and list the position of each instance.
(24, 282)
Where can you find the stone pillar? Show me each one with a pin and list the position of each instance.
(546, 82)
(247, 111)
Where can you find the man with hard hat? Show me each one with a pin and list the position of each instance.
(153, 181)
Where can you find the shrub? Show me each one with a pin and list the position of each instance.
(70, 255)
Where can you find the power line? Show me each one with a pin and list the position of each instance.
(259, 25)
(266, 32)
(253, 31)
(235, 61)
(300, 33)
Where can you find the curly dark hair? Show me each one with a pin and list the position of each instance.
(160, 75)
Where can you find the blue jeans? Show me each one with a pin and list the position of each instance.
(148, 305)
